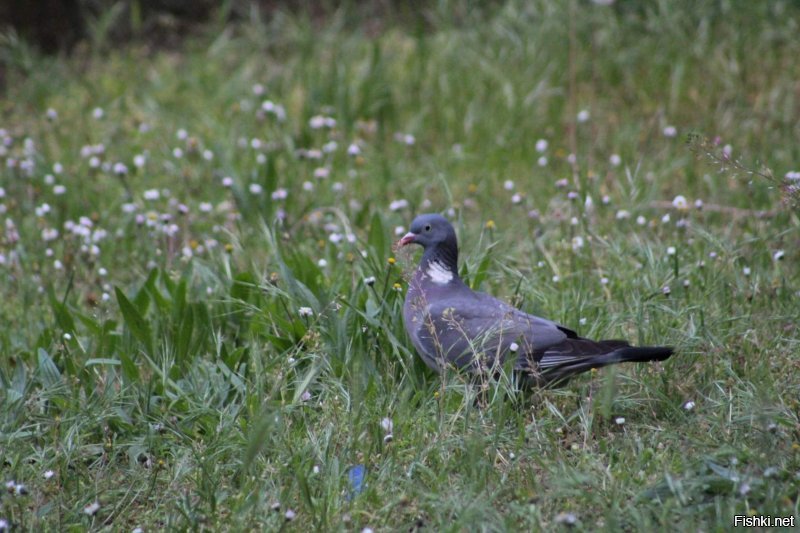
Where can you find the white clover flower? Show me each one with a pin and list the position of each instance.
(58, 168)
(48, 474)
(615, 160)
(181, 134)
(397, 205)
(51, 114)
(666, 290)
(671, 250)
(542, 161)
(177, 153)
(513, 347)
(409, 139)
(139, 160)
(98, 113)
(208, 155)
(641, 221)
(556, 278)
(255, 188)
(227, 181)
(399, 230)
(688, 405)
(679, 202)
(305, 311)
(322, 263)
(604, 280)
(746, 271)
(508, 185)
(289, 515)
(58, 265)
(583, 115)
(541, 145)
(665, 219)
(577, 243)
(516, 198)
(102, 272)
(670, 131)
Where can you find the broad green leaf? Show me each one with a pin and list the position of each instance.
(136, 323)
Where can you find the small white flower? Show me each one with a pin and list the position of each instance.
(92, 508)
(516, 198)
(604, 280)
(620, 420)
(556, 279)
(315, 469)
(139, 160)
(670, 131)
(542, 161)
(152, 194)
(330, 147)
(98, 113)
(255, 188)
(322, 263)
(387, 424)
(671, 250)
(208, 155)
(181, 134)
(727, 150)
(508, 185)
(280, 194)
(577, 243)
(513, 347)
(615, 160)
(305, 311)
(698, 204)
(582, 321)
(583, 115)
(686, 283)
(541, 145)
(746, 271)
(305, 396)
(778, 255)
(205, 207)
(322, 173)
(399, 230)
(679, 202)
(566, 518)
(289, 515)
(641, 221)
(396, 205)
(177, 153)
(51, 114)
(666, 290)
(354, 149)
(622, 214)
(688, 405)
(48, 474)
(665, 219)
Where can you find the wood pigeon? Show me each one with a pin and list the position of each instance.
(449, 323)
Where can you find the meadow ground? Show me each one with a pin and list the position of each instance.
(201, 309)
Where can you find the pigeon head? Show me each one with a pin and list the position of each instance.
(438, 238)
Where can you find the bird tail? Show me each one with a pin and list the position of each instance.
(557, 367)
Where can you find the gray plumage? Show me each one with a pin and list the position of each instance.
(449, 323)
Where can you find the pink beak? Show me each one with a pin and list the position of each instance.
(408, 238)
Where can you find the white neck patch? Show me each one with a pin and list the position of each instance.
(438, 273)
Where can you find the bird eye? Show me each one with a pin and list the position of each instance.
(428, 227)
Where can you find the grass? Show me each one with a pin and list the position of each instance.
(155, 358)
